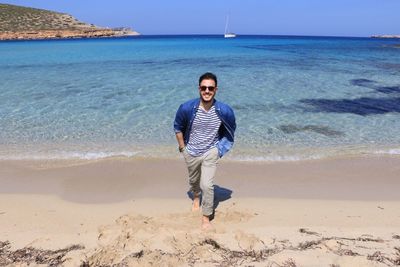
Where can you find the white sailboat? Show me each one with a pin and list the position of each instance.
(228, 34)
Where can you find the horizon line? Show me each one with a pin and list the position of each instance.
(238, 35)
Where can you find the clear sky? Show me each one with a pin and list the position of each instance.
(271, 17)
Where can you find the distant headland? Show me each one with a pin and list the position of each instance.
(21, 23)
(385, 36)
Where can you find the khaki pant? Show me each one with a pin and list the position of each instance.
(201, 177)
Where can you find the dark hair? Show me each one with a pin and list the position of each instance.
(208, 76)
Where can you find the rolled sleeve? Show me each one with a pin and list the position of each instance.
(179, 122)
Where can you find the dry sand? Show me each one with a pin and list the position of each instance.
(136, 212)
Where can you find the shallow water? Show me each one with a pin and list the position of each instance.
(294, 97)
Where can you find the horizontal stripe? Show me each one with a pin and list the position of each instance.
(204, 132)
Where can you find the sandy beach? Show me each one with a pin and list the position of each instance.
(136, 212)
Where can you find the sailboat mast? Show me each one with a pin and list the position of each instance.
(228, 34)
(226, 24)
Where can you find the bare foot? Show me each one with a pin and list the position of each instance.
(196, 203)
(206, 224)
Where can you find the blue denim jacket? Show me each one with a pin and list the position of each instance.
(185, 116)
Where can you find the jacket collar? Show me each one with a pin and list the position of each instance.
(196, 103)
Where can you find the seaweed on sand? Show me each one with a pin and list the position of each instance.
(30, 255)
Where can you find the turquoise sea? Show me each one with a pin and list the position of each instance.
(294, 97)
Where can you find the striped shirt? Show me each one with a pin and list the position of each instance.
(204, 133)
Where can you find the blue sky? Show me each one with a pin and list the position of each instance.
(271, 17)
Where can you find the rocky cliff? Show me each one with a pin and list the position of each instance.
(17, 22)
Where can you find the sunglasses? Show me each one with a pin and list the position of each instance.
(210, 88)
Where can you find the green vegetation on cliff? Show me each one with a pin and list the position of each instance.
(17, 18)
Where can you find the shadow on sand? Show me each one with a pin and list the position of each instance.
(220, 194)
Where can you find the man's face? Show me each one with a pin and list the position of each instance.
(207, 90)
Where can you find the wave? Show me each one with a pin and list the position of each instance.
(170, 153)
(69, 156)
(393, 151)
(275, 158)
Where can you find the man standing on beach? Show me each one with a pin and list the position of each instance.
(204, 129)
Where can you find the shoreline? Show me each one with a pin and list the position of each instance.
(65, 34)
(166, 152)
(135, 211)
(83, 158)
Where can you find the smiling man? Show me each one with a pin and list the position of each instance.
(204, 129)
